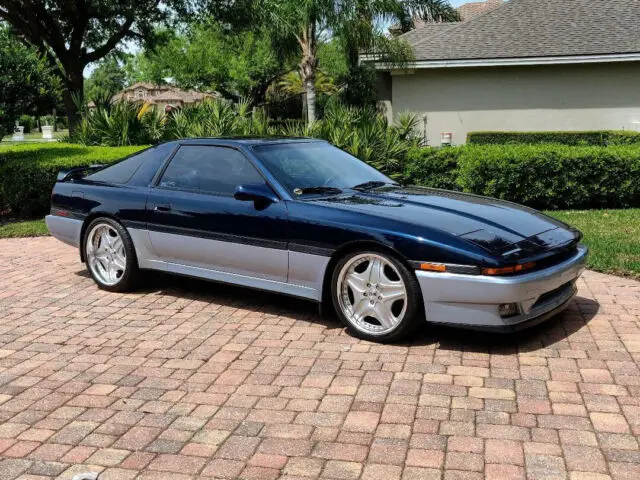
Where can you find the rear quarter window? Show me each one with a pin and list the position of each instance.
(137, 169)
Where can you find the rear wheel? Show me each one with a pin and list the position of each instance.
(376, 296)
(110, 255)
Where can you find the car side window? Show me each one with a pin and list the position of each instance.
(122, 171)
(206, 169)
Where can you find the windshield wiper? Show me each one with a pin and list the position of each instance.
(324, 189)
(372, 184)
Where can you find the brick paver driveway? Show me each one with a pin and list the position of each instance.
(188, 379)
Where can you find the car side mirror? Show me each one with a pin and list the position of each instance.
(256, 192)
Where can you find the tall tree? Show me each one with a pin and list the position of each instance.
(307, 23)
(362, 31)
(74, 33)
(209, 56)
(429, 11)
(27, 84)
(109, 76)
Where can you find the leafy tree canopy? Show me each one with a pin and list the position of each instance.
(209, 56)
(27, 84)
(304, 25)
(332, 60)
(73, 33)
(109, 76)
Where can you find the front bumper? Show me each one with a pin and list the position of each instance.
(472, 301)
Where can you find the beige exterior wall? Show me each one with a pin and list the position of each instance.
(556, 97)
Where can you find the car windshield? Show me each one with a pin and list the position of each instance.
(317, 168)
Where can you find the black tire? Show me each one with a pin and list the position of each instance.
(413, 314)
(131, 275)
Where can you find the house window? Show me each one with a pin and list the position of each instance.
(140, 93)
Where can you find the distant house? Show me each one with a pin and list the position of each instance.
(526, 65)
(163, 97)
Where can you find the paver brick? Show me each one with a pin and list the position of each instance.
(177, 464)
(186, 380)
(609, 422)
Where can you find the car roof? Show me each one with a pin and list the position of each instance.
(244, 141)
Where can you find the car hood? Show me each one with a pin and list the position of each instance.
(498, 226)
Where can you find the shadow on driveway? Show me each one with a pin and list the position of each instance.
(557, 329)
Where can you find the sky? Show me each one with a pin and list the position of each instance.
(457, 3)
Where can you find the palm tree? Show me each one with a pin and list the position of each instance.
(290, 84)
(307, 22)
(429, 11)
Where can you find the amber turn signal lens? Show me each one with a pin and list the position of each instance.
(508, 270)
(433, 267)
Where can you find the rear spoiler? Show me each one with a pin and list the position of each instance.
(78, 172)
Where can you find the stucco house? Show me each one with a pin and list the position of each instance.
(161, 96)
(527, 65)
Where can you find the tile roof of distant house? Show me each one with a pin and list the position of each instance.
(181, 95)
(167, 94)
(146, 86)
(535, 28)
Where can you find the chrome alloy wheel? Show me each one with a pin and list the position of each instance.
(372, 295)
(106, 256)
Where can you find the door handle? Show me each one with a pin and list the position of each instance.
(162, 207)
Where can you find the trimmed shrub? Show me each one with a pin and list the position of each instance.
(553, 176)
(433, 167)
(28, 172)
(28, 122)
(47, 120)
(601, 138)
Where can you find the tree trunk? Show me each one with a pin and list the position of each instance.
(310, 87)
(308, 66)
(73, 92)
(308, 77)
(303, 97)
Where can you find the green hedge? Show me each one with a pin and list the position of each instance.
(433, 167)
(540, 176)
(28, 122)
(601, 138)
(28, 172)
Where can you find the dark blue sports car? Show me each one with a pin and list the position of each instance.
(301, 217)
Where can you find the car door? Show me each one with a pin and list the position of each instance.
(194, 220)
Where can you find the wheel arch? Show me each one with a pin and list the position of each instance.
(85, 225)
(350, 247)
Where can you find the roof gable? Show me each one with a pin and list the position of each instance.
(536, 28)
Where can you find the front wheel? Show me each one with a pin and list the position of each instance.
(110, 255)
(376, 296)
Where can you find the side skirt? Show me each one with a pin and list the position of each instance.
(308, 271)
(236, 279)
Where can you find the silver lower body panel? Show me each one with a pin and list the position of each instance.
(65, 229)
(304, 277)
(473, 300)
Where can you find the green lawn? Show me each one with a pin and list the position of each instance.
(34, 136)
(29, 228)
(613, 237)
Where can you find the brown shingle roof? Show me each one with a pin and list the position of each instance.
(471, 10)
(423, 31)
(467, 11)
(537, 28)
